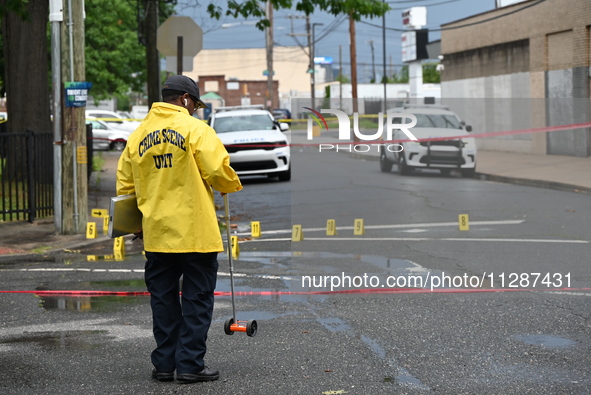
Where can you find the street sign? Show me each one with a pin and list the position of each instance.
(171, 63)
(179, 26)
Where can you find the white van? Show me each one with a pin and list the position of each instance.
(139, 112)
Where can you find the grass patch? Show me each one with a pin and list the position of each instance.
(40, 250)
(98, 162)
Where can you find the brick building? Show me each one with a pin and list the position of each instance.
(290, 65)
(523, 66)
(233, 91)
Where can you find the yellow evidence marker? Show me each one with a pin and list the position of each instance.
(106, 225)
(99, 212)
(255, 228)
(119, 245)
(463, 222)
(331, 227)
(359, 228)
(297, 233)
(90, 230)
(235, 248)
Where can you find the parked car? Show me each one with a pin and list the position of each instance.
(113, 119)
(444, 155)
(124, 114)
(106, 137)
(282, 113)
(254, 139)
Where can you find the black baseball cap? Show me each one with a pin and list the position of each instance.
(184, 84)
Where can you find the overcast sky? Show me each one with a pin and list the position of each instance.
(335, 31)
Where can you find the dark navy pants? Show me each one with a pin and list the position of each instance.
(180, 329)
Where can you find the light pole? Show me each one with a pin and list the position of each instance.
(312, 65)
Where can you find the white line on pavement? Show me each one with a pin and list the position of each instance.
(224, 274)
(393, 226)
(423, 239)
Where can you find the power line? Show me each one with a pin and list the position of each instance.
(465, 25)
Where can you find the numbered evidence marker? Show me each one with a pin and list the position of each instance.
(119, 248)
(91, 230)
(106, 225)
(359, 228)
(235, 248)
(331, 227)
(119, 245)
(297, 233)
(255, 228)
(463, 222)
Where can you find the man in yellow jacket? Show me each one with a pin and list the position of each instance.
(171, 162)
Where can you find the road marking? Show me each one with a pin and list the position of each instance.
(427, 239)
(223, 274)
(392, 226)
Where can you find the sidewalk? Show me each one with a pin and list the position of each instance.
(567, 173)
(22, 241)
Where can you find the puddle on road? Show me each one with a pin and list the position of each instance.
(334, 324)
(548, 341)
(72, 340)
(96, 304)
(402, 375)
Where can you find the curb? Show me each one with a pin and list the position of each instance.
(558, 186)
(50, 255)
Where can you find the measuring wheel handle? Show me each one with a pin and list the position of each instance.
(251, 328)
(228, 326)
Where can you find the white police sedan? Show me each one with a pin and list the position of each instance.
(256, 142)
(436, 123)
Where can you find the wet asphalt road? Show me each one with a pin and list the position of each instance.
(514, 341)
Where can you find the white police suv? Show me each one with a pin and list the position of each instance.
(442, 154)
(256, 142)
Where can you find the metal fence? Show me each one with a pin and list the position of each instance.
(26, 175)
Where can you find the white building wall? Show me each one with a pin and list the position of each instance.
(494, 104)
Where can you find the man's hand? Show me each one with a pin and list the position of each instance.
(140, 234)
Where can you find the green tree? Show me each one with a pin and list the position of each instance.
(343, 79)
(256, 8)
(115, 60)
(401, 76)
(430, 73)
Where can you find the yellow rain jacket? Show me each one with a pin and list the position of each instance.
(171, 162)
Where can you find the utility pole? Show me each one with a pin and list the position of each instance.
(269, 44)
(152, 59)
(341, 79)
(385, 77)
(313, 64)
(373, 62)
(74, 174)
(353, 63)
(56, 17)
(311, 61)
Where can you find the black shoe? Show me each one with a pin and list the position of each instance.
(205, 375)
(162, 376)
